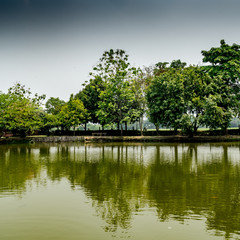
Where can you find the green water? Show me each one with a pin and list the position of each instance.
(120, 191)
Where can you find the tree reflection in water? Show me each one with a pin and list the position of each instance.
(179, 181)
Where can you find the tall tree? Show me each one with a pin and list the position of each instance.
(51, 116)
(196, 83)
(165, 98)
(176, 98)
(224, 68)
(218, 104)
(118, 96)
(90, 96)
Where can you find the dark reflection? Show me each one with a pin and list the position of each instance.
(17, 167)
(184, 181)
(108, 178)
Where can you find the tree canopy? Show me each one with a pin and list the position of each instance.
(172, 95)
(224, 69)
(20, 112)
(117, 96)
(73, 113)
(90, 96)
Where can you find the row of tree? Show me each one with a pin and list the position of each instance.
(172, 95)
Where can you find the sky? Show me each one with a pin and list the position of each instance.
(50, 46)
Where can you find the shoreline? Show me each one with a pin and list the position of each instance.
(102, 139)
(166, 139)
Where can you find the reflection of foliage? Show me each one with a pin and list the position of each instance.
(177, 187)
(212, 191)
(179, 181)
(111, 185)
(16, 167)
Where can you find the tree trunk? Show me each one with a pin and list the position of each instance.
(225, 130)
(195, 129)
(157, 128)
(141, 125)
(121, 130)
(85, 126)
(175, 130)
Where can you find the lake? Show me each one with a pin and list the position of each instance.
(120, 191)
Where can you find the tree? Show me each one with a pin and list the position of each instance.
(117, 98)
(51, 116)
(176, 99)
(196, 83)
(160, 68)
(49, 121)
(156, 71)
(116, 105)
(90, 96)
(3, 106)
(218, 103)
(225, 61)
(224, 68)
(20, 92)
(21, 113)
(73, 113)
(178, 64)
(139, 82)
(165, 99)
(54, 105)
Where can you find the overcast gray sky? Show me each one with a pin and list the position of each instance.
(51, 45)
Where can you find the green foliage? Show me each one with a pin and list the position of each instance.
(186, 98)
(50, 121)
(4, 99)
(176, 98)
(225, 61)
(90, 96)
(165, 98)
(54, 105)
(20, 112)
(73, 113)
(116, 102)
(178, 64)
(225, 72)
(20, 92)
(117, 96)
(195, 85)
(160, 68)
(51, 116)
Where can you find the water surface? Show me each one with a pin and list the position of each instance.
(112, 191)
